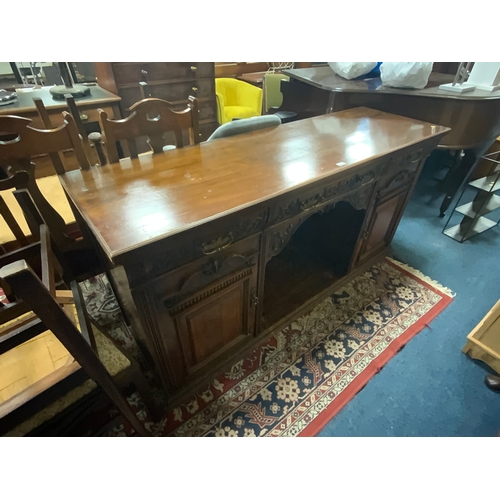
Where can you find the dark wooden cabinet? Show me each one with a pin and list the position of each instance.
(172, 81)
(246, 285)
(222, 244)
(216, 318)
(384, 218)
(391, 194)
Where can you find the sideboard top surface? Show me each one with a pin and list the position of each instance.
(136, 202)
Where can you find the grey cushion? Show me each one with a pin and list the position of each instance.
(245, 125)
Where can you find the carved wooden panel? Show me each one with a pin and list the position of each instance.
(400, 171)
(314, 200)
(381, 225)
(281, 234)
(216, 318)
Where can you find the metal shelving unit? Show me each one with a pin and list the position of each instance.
(477, 215)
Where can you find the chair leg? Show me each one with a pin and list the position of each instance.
(29, 288)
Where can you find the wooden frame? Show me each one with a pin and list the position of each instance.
(483, 343)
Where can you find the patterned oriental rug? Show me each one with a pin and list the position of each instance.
(295, 382)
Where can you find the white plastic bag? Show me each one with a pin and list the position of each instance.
(405, 75)
(350, 70)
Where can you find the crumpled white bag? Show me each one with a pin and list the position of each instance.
(405, 75)
(350, 70)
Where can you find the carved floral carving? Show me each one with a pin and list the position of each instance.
(177, 304)
(298, 206)
(280, 237)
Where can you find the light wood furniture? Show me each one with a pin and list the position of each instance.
(152, 118)
(483, 343)
(171, 81)
(87, 107)
(474, 117)
(38, 386)
(216, 246)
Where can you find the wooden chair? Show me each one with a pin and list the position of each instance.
(84, 357)
(151, 118)
(19, 143)
(92, 143)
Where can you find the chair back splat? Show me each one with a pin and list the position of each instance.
(20, 144)
(152, 118)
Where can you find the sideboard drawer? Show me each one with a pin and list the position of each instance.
(172, 92)
(132, 72)
(194, 276)
(400, 172)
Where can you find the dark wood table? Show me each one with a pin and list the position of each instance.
(214, 247)
(24, 105)
(474, 117)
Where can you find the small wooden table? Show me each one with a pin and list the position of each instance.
(24, 106)
(214, 247)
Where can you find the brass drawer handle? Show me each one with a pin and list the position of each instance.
(217, 245)
(193, 68)
(194, 89)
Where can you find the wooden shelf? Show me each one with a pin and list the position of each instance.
(466, 230)
(483, 342)
(485, 208)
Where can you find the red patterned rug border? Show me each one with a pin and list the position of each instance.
(375, 366)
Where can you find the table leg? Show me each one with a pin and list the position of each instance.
(461, 173)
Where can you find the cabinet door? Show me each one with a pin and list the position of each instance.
(381, 227)
(216, 318)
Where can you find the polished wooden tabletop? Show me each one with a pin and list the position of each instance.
(135, 202)
(324, 78)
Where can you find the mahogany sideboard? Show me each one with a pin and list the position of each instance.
(215, 246)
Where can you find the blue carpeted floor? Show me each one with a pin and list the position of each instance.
(430, 388)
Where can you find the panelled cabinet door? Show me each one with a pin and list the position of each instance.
(381, 225)
(216, 318)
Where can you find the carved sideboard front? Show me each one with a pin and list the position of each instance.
(214, 247)
(211, 294)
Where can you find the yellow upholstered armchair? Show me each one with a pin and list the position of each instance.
(236, 99)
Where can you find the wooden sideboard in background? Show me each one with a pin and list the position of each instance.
(172, 81)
